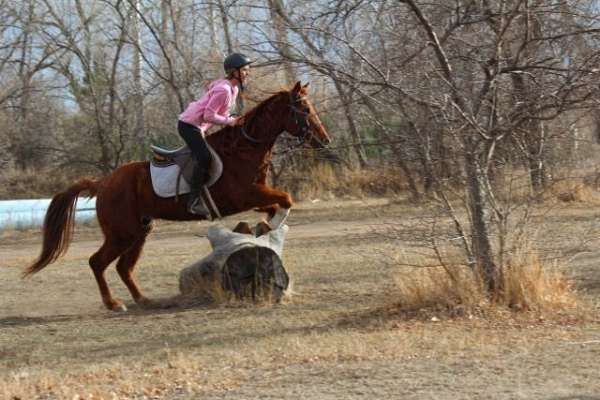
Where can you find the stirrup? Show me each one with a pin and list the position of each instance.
(198, 207)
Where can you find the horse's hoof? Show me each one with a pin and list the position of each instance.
(263, 227)
(119, 308)
(115, 306)
(243, 227)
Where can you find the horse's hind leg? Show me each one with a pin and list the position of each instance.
(109, 251)
(125, 267)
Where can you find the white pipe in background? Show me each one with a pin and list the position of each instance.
(24, 214)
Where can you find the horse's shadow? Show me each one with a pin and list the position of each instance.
(166, 305)
(23, 320)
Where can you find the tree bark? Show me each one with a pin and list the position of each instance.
(138, 96)
(281, 44)
(479, 212)
(358, 147)
(225, 21)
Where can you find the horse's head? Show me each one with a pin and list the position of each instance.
(303, 121)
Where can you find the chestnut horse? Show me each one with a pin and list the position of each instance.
(126, 203)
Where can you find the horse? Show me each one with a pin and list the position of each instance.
(126, 203)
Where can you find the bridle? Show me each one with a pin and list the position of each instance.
(301, 119)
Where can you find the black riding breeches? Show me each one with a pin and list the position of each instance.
(197, 144)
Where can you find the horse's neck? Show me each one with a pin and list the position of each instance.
(261, 130)
(266, 126)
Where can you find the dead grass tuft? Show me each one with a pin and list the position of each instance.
(439, 289)
(571, 191)
(528, 285)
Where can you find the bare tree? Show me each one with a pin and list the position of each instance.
(224, 13)
(27, 58)
(465, 85)
(281, 42)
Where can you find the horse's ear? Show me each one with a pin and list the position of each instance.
(306, 86)
(297, 87)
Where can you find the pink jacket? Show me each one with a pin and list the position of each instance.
(213, 107)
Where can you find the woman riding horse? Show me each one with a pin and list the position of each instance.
(200, 115)
(126, 203)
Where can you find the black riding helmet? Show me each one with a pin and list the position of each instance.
(235, 61)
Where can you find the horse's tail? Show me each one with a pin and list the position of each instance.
(58, 224)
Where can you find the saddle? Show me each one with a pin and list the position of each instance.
(168, 167)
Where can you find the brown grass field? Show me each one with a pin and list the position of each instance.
(340, 334)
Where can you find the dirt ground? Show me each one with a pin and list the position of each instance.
(334, 337)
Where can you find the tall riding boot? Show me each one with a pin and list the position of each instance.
(196, 204)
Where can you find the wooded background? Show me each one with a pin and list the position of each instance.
(456, 95)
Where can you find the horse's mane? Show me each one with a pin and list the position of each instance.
(251, 115)
(229, 132)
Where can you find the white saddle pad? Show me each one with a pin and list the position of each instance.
(164, 179)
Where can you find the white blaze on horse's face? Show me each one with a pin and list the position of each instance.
(308, 126)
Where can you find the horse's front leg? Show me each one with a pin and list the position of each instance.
(269, 210)
(274, 202)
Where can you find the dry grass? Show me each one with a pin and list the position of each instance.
(572, 190)
(326, 181)
(32, 184)
(227, 367)
(513, 186)
(341, 336)
(527, 285)
(437, 289)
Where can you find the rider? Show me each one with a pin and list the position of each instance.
(200, 115)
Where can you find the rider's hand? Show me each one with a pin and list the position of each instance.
(234, 121)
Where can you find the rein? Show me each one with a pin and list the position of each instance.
(248, 137)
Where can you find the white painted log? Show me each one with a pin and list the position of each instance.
(204, 277)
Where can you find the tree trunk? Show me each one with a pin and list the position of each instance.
(24, 141)
(281, 44)
(225, 21)
(537, 164)
(358, 147)
(139, 134)
(398, 153)
(172, 103)
(483, 260)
